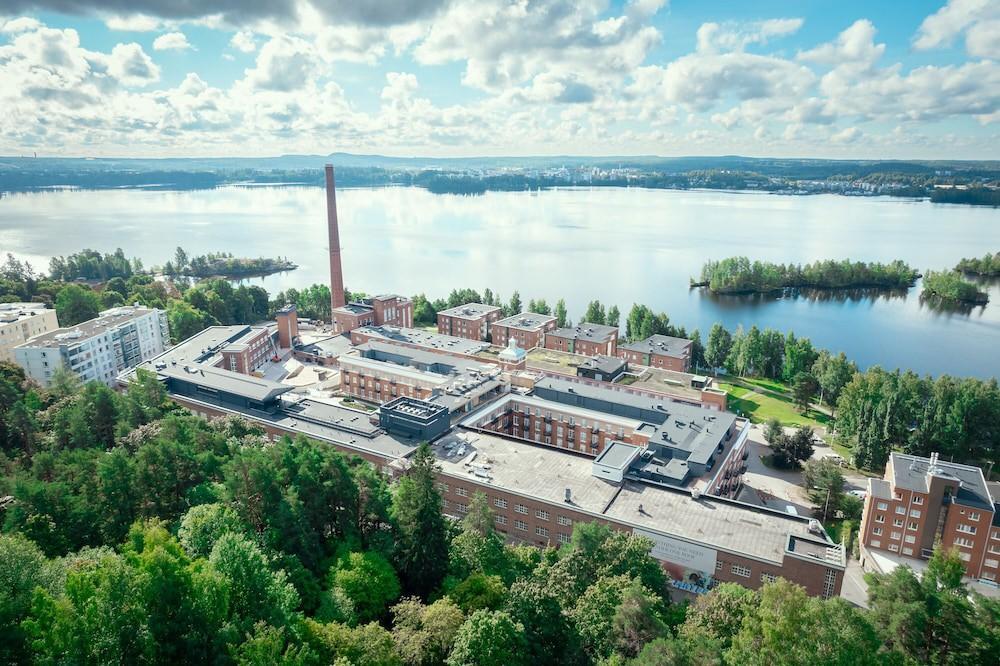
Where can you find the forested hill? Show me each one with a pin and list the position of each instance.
(136, 533)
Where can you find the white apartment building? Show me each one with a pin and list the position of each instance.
(98, 349)
(21, 321)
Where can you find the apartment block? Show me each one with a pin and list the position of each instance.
(98, 349)
(471, 321)
(659, 351)
(528, 329)
(923, 501)
(20, 322)
(250, 350)
(385, 310)
(586, 339)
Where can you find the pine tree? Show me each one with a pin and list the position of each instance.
(422, 540)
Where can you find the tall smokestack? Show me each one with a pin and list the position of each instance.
(337, 298)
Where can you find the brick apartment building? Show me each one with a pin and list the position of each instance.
(586, 339)
(385, 310)
(247, 352)
(471, 321)
(659, 351)
(922, 501)
(527, 329)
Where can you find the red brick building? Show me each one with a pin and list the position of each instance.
(922, 501)
(249, 351)
(585, 339)
(659, 351)
(287, 320)
(386, 310)
(471, 321)
(527, 328)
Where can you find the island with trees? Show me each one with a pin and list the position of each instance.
(739, 275)
(949, 286)
(987, 266)
(223, 264)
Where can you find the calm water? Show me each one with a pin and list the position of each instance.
(619, 246)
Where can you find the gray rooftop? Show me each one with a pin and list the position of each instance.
(12, 312)
(354, 308)
(664, 345)
(203, 347)
(107, 321)
(586, 331)
(608, 365)
(617, 455)
(227, 381)
(528, 321)
(910, 472)
(331, 345)
(469, 310)
(425, 339)
(678, 425)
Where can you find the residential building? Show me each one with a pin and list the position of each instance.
(920, 502)
(659, 351)
(385, 310)
(249, 351)
(98, 349)
(585, 339)
(601, 368)
(471, 321)
(527, 328)
(20, 322)
(418, 339)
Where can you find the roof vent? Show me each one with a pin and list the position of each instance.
(695, 493)
(569, 496)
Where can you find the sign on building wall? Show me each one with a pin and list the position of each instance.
(687, 558)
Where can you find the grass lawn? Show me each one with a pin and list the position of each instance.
(769, 384)
(760, 408)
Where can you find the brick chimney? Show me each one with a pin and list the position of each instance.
(288, 326)
(337, 298)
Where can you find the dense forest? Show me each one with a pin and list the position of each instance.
(950, 286)
(987, 266)
(738, 275)
(223, 264)
(134, 532)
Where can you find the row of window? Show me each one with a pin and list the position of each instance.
(501, 503)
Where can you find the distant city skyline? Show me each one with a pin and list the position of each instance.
(151, 78)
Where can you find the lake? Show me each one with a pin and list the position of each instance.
(617, 245)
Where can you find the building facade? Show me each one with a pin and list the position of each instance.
(98, 349)
(471, 321)
(527, 329)
(921, 502)
(386, 310)
(585, 339)
(19, 322)
(659, 351)
(248, 352)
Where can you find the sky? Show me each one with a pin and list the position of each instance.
(849, 79)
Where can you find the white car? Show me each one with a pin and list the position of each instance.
(857, 492)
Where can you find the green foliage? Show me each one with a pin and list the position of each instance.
(790, 450)
(223, 264)
(595, 313)
(76, 304)
(987, 266)
(23, 568)
(203, 525)
(950, 286)
(422, 542)
(256, 593)
(720, 342)
(737, 275)
(479, 592)
(561, 314)
(824, 481)
(804, 388)
(489, 638)
(369, 581)
(424, 634)
(90, 265)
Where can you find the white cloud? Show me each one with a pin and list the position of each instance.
(130, 65)
(19, 25)
(942, 27)
(243, 41)
(856, 44)
(713, 37)
(847, 135)
(284, 64)
(171, 41)
(134, 23)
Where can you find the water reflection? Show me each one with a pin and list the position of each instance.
(806, 294)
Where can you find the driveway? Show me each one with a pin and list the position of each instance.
(773, 488)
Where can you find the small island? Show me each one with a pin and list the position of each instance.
(738, 275)
(223, 264)
(988, 266)
(949, 286)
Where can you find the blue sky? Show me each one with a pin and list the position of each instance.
(501, 77)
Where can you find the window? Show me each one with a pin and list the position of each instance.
(445, 503)
(521, 525)
(443, 487)
(893, 547)
(542, 515)
(992, 564)
(739, 570)
(907, 551)
(968, 529)
(895, 536)
(879, 518)
(500, 520)
(520, 508)
(563, 538)
(877, 531)
(974, 515)
(989, 576)
(541, 531)
(965, 557)
(882, 506)
(876, 543)
(768, 578)
(963, 542)
(910, 538)
(718, 565)
(462, 508)
(901, 510)
(897, 522)
(917, 499)
(563, 520)
(914, 513)
(500, 503)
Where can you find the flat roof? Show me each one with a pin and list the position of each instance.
(469, 310)
(107, 321)
(910, 472)
(528, 321)
(201, 348)
(605, 364)
(617, 455)
(321, 344)
(586, 331)
(425, 339)
(354, 308)
(15, 312)
(376, 365)
(545, 473)
(218, 379)
(664, 345)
